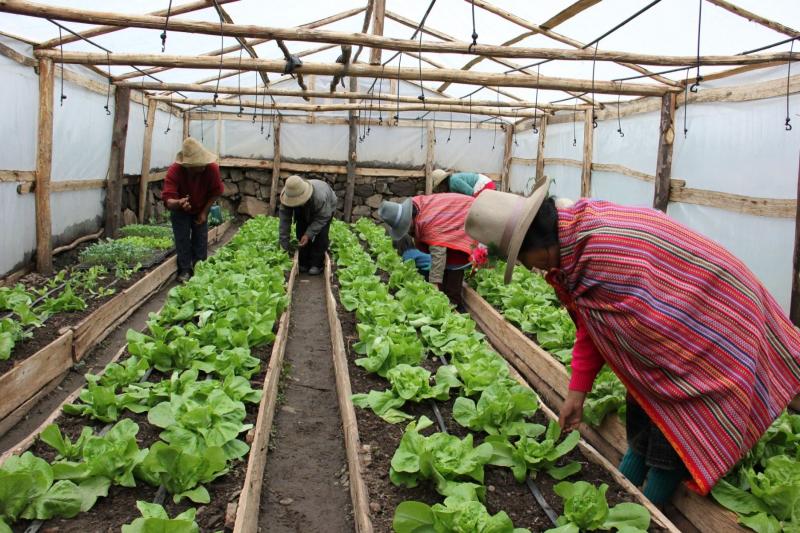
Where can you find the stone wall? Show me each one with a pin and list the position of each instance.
(130, 200)
(246, 190)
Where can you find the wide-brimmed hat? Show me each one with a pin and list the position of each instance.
(397, 216)
(194, 154)
(502, 219)
(438, 176)
(563, 203)
(296, 191)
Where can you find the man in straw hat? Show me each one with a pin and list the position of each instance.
(190, 188)
(707, 355)
(469, 183)
(311, 203)
(436, 222)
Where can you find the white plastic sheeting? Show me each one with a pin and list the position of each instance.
(475, 155)
(165, 145)
(558, 143)
(408, 146)
(243, 138)
(134, 140)
(522, 176)
(325, 142)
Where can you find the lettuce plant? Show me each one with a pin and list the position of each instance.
(455, 515)
(155, 519)
(501, 409)
(529, 455)
(181, 471)
(586, 509)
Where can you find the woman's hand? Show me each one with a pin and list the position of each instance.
(571, 411)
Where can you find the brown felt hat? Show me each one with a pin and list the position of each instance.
(193, 154)
(296, 191)
(502, 219)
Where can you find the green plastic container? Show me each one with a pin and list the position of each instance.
(215, 215)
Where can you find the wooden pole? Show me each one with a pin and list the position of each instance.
(185, 125)
(116, 163)
(352, 158)
(23, 7)
(509, 148)
(664, 161)
(364, 71)
(588, 145)
(758, 19)
(378, 16)
(276, 165)
(540, 150)
(44, 161)
(147, 148)
(794, 309)
(429, 157)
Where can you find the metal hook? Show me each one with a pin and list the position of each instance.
(788, 125)
(163, 40)
(167, 130)
(594, 121)
(574, 142)
(241, 111)
(621, 134)
(695, 85)
(108, 111)
(215, 99)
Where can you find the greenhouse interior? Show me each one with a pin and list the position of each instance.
(414, 267)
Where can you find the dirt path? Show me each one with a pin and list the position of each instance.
(306, 488)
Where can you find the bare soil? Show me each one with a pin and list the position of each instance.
(306, 484)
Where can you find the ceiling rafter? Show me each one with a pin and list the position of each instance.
(758, 19)
(241, 40)
(567, 13)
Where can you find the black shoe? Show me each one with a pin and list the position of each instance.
(183, 277)
(303, 269)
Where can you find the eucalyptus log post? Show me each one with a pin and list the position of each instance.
(44, 162)
(588, 146)
(116, 162)
(429, 157)
(540, 150)
(147, 148)
(378, 16)
(352, 157)
(664, 161)
(185, 125)
(276, 165)
(794, 312)
(509, 147)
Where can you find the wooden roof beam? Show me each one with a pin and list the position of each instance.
(378, 17)
(241, 40)
(24, 7)
(359, 70)
(567, 13)
(102, 30)
(758, 19)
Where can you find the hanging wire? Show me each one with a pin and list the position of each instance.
(469, 139)
(144, 105)
(421, 133)
(239, 79)
(108, 89)
(221, 47)
(450, 133)
(202, 112)
(164, 33)
(696, 85)
(61, 47)
(574, 122)
(474, 31)
(169, 116)
(380, 108)
(271, 127)
(434, 128)
(421, 96)
(494, 136)
(594, 63)
(686, 103)
(263, 107)
(255, 108)
(788, 123)
(515, 120)
(619, 119)
(536, 102)
(397, 112)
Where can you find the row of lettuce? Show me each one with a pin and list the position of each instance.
(763, 489)
(190, 373)
(401, 323)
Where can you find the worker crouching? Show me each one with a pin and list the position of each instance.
(311, 204)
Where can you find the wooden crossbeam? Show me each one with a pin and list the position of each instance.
(102, 30)
(758, 19)
(567, 13)
(361, 70)
(23, 7)
(247, 47)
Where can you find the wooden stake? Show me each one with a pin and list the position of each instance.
(116, 163)
(378, 15)
(509, 147)
(429, 157)
(44, 161)
(276, 165)
(664, 161)
(588, 144)
(185, 125)
(540, 150)
(794, 311)
(352, 157)
(147, 148)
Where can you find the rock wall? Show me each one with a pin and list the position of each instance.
(154, 206)
(246, 190)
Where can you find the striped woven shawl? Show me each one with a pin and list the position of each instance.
(440, 221)
(698, 341)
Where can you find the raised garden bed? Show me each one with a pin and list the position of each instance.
(371, 443)
(31, 373)
(235, 494)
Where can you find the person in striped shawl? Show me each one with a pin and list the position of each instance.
(436, 222)
(708, 357)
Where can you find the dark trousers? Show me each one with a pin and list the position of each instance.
(313, 254)
(451, 286)
(191, 240)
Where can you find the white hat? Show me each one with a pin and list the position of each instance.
(193, 154)
(296, 191)
(439, 176)
(562, 203)
(502, 219)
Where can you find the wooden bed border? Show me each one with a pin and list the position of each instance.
(550, 379)
(358, 489)
(44, 369)
(248, 506)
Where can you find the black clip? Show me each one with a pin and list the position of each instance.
(108, 111)
(241, 111)
(621, 134)
(474, 42)
(696, 84)
(163, 40)
(574, 142)
(63, 97)
(216, 96)
(421, 98)
(788, 125)
(594, 121)
(167, 130)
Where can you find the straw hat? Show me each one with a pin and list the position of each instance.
(502, 219)
(397, 216)
(296, 191)
(439, 176)
(563, 203)
(193, 154)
